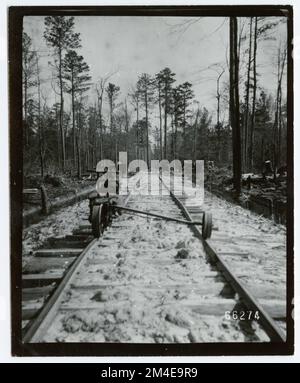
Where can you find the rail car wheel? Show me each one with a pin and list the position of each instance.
(97, 220)
(106, 214)
(109, 215)
(206, 225)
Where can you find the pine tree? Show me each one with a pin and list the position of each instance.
(158, 84)
(234, 108)
(28, 78)
(112, 92)
(59, 34)
(145, 87)
(76, 74)
(166, 78)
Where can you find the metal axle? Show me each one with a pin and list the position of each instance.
(157, 215)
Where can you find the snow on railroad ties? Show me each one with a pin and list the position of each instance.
(57, 224)
(146, 280)
(262, 241)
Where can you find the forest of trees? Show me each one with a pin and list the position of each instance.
(159, 118)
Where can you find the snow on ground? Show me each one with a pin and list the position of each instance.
(57, 224)
(147, 280)
(262, 240)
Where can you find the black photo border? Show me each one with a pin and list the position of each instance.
(15, 23)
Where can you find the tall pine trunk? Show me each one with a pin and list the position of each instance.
(61, 115)
(253, 99)
(58, 137)
(78, 145)
(246, 116)
(165, 125)
(147, 129)
(73, 122)
(234, 106)
(26, 105)
(218, 117)
(40, 127)
(175, 134)
(100, 123)
(195, 137)
(277, 123)
(160, 123)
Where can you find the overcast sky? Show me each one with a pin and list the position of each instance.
(129, 46)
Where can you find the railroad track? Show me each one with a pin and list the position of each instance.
(44, 277)
(147, 280)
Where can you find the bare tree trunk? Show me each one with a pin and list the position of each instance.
(218, 115)
(166, 120)
(234, 106)
(25, 105)
(126, 126)
(111, 125)
(277, 121)
(160, 124)
(74, 125)
(100, 102)
(246, 116)
(147, 128)
(61, 113)
(254, 99)
(195, 135)
(279, 125)
(58, 139)
(175, 134)
(40, 127)
(78, 145)
(262, 153)
(172, 148)
(87, 150)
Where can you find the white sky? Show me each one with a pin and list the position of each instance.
(129, 46)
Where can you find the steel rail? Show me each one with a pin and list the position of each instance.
(46, 315)
(43, 320)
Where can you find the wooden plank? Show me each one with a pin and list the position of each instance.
(194, 210)
(202, 307)
(35, 280)
(267, 291)
(83, 231)
(29, 313)
(42, 264)
(59, 252)
(153, 261)
(220, 309)
(57, 243)
(31, 293)
(84, 227)
(217, 306)
(79, 237)
(235, 253)
(201, 289)
(30, 191)
(276, 308)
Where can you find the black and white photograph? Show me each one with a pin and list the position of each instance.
(152, 180)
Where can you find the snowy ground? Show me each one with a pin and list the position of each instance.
(58, 224)
(262, 242)
(149, 281)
